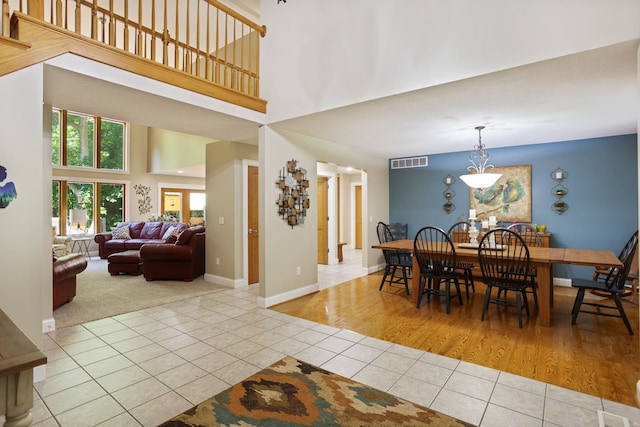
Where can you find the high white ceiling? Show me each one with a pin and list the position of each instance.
(586, 95)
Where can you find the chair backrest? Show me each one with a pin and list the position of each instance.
(618, 276)
(505, 264)
(434, 252)
(527, 232)
(384, 234)
(398, 230)
(391, 257)
(459, 232)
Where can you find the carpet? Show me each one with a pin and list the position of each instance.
(100, 295)
(294, 393)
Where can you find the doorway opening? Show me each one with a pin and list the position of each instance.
(340, 224)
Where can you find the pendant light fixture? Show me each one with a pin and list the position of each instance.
(479, 158)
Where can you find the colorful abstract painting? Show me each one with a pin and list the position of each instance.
(8, 191)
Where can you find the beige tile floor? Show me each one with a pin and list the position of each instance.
(143, 367)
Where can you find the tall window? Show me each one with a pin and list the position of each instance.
(91, 207)
(81, 140)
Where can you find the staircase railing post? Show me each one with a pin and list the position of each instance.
(35, 9)
(5, 18)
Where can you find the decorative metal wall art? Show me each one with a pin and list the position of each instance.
(448, 194)
(144, 201)
(293, 197)
(559, 190)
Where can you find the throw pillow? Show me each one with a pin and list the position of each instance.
(170, 231)
(121, 233)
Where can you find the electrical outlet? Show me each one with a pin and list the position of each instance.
(221, 220)
(217, 261)
(298, 271)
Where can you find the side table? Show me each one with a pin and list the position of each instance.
(80, 244)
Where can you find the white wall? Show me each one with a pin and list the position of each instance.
(282, 248)
(25, 224)
(319, 55)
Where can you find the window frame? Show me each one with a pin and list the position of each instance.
(63, 190)
(97, 142)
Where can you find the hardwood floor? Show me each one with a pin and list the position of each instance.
(596, 356)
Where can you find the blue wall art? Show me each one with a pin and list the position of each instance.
(7, 191)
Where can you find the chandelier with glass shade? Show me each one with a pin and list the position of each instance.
(478, 178)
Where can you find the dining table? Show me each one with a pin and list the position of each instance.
(540, 258)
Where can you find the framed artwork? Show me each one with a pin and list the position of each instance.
(509, 199)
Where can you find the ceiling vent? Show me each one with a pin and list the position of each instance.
(410, 162)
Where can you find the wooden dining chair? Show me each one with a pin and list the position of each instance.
(396, 262)
(459, 233)
(505, 266)
(613, 285)
(531, 237)
(632, 280)
(436, 257)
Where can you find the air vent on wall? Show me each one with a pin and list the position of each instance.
(410, 162)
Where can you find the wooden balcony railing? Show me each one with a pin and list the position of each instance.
(202, 38)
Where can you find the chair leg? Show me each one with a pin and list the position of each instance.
(421, 289)
(384, 276)
(430, 288)
(468, 280)
(447, 295)
(534, 291)
(616, 298)
(457, 283)
(519, 306)
(576, 306)
(405, 279)
(487, 296)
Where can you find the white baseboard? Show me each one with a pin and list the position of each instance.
(558, 281)
(375, 268)
(224, 281)
(286, 296)
(48, 325)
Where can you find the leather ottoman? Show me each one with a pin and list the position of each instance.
(127, 262)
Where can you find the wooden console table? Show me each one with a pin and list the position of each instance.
(18, 357)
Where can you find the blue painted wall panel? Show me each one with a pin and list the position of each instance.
(602, 183)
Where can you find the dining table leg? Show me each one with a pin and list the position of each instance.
(415, 280)
(545, 293)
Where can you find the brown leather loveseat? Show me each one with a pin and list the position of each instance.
(184, 259)
(139, 233)
(65, 270)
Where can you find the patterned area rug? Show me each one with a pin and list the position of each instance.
(293, 393)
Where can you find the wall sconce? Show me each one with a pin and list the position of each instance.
(559, 191)
(448, 194)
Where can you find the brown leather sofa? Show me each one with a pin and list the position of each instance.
(140, 232)
(182, 260)
(65, 270)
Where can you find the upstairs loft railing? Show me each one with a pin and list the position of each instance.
(203, 38)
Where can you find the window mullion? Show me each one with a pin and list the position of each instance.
(97, 142)
(63, 208)
(63, 137)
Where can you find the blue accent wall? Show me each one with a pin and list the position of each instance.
(602, 182)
